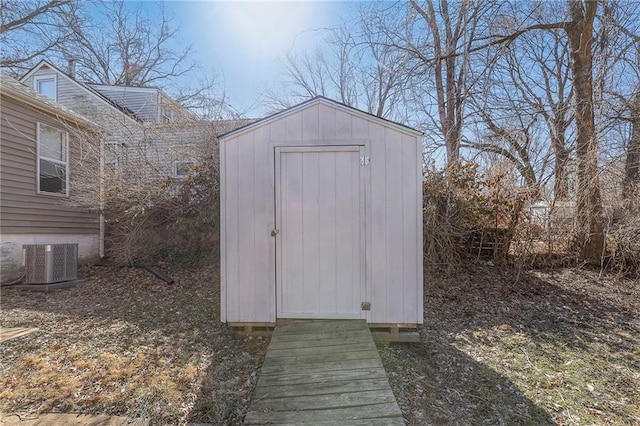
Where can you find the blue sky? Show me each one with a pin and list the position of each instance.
(244, 43)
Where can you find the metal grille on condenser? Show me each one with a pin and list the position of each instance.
(35, 262)
(51, 263)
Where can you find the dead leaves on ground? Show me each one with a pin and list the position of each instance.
(126, 343)
(553, 347)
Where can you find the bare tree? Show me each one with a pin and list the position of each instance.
(207, 98)
(158, 187)
(579, 28)
(514, 142)
(30, 29)
(550, 95)
(527, 88)
(387, 73)
(308, 74)
(619, 80)
(631, 182)
(127, 47)
(589, 220)
(356, 70)
(449, 34)
(110, 42)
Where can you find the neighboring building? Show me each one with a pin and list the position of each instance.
(321, 217)
(539, 213)
(149, 104)
(145, 128)
(39, 146)
(143, 104)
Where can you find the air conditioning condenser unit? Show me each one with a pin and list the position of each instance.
(50, 263)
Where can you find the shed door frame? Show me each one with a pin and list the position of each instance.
(362, 147)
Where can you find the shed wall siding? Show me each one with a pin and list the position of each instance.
(394, 231)
(22, 209)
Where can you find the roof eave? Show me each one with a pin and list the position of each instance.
(35, 103)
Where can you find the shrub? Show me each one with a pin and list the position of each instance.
(469, 214)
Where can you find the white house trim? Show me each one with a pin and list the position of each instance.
(66, 162)
(45, 77)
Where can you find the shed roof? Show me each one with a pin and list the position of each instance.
(11, 87)
(312, 102)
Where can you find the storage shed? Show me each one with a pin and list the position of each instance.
(321, 218)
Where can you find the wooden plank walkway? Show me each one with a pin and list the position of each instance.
(324, 372)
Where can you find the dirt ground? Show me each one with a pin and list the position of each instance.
(545, 347)
(126, 343)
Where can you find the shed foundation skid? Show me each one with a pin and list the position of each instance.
(382, 333)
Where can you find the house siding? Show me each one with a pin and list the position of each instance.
(393, 252)
(120, 127)
(151, 147)
(23, 210)
(27, 217)
(146, 103)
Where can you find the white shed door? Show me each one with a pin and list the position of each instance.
(320, 240)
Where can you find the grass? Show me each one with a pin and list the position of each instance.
(555, 347)
(126, 343)
(546, 347)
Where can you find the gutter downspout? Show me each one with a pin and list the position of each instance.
(158, 108)
(101, 242)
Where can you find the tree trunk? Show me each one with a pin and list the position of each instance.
(589, 219)
(449, 84)
(561, 183)
(631, 182)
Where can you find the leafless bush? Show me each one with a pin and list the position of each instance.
(468, 214)
(159, 191)
(473, 215)
(624, 243)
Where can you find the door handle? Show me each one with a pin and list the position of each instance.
(275, 232)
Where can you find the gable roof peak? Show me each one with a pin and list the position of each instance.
(84, 86)
(318, 99)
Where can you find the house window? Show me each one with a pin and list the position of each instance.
(182, 169)
(46, 85)
(53, 161)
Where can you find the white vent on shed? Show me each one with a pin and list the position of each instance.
(50, 263)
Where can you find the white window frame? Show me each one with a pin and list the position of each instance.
(38, 78)
(174, 167)
(65, 163)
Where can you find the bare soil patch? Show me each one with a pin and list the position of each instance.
(126, 343)
(550, 347)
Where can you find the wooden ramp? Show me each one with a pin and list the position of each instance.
(325, 372)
